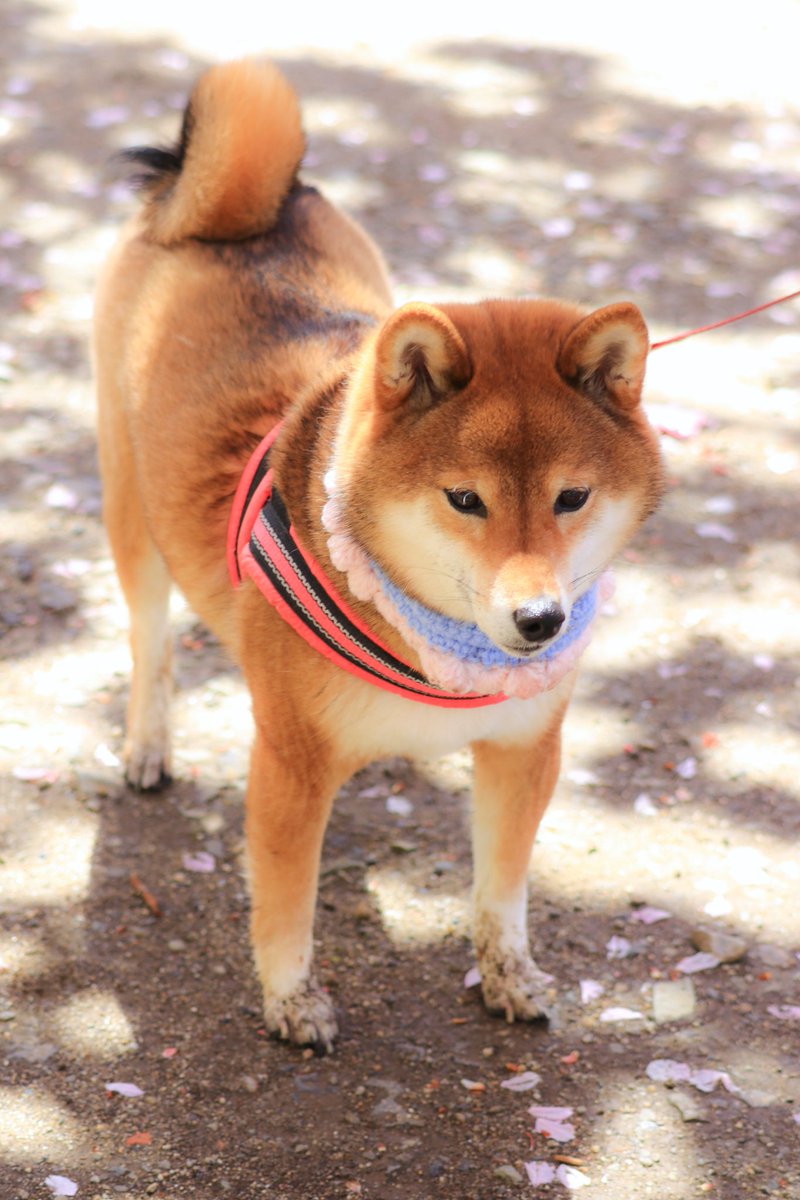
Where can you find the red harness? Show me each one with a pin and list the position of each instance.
(263, 546)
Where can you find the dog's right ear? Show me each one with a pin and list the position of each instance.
(419, 357)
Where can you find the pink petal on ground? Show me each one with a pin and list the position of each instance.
(796, 1117)
(620, 1014)
(571, 1177)
(649, 915)
(702, 961)
(546, 1112)
(687, 769)
(124, 1089)
(540, 1172)
(706, 1079)
(667, 1070)
(472, 977)
(202, 861)
(61, 1186)
(522, 1082)
(169, 1052)
(590, 990)
(680, 423)
(399, 805)
(785, 1012)
(557, 1130)
(617, 947)
(713, 529)
(644, 806)
(35, 774)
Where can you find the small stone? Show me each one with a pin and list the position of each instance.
(772, 956)
(249, 1083)
(508, 1173)
(403, 847)
(674, 1000)
(754, 1098)
(176, 944)
(8, 1015)
(724, 946)
(687, 1105)
(55, 598)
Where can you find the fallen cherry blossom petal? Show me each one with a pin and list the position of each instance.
(785, 1012)
(472, 977)
(649, 915)
(590, 990)
(705, 1079)
(679, 423)
(102, 118)
(106, 756)
(61, 496)
(399, 805)
(473, 1085)
(764, 662)
(202, 861)
(687, 768)
(540, 1172)
(796, 1117)
(667, 1070)
(124, 1089)
(376, 792)
(618, 947)
(35, 774)
(571, 1177)
(718, 906)
(713, 529)
(169, 1051)
(551, 1112)
(702, 961)
(61, 1186)
(522, 1082)
(644, 806)
(557, 1130)
(621, 1014)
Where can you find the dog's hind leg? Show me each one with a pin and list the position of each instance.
(512, 788)
(146, 586)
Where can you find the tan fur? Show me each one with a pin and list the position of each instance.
(238, 297)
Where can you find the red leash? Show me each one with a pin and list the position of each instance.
(728, 321)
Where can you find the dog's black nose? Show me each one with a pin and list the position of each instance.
(539, 621)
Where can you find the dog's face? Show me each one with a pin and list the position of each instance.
(494, 459)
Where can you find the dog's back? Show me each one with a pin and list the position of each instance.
(230, 290)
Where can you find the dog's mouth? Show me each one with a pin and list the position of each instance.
(526, 649)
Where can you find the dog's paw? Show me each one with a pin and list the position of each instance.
(147, 767)
(514, 987)
(305, 1018)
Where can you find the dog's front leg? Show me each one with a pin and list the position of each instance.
(513, 784)
(289, 797)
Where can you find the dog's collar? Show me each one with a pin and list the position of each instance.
(263, 546)
(462, 667)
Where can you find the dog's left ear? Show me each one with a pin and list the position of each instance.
(420, 357)
(605, 355)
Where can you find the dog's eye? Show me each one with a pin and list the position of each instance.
(571, 499)
(465, 501)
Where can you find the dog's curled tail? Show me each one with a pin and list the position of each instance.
(238, 155)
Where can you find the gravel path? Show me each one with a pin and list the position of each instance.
(573, 154)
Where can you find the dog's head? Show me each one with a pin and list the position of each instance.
(493, 458)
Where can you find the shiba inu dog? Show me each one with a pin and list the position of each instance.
(396, 520)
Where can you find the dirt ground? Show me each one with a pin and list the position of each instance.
(508, 162)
